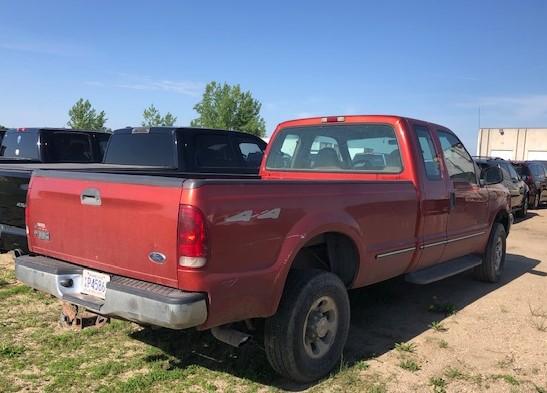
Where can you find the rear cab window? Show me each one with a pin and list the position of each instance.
(142, 148)
(23, 145)
(65, 146)
(369, 148)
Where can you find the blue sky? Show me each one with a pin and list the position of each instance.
(435, 60)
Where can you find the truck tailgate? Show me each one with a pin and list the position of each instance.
(122, 224)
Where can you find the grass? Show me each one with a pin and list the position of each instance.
(37, 355)
(438, 326)
(453, 373)
(438, 384)
(507, 378)
(405, 347)
(409, 365)
(443, 344)
(10, 351)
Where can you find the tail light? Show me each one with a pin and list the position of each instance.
(192, 237)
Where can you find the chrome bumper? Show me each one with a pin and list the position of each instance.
(125, 298)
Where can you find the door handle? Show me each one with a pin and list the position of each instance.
(90, 196)
(452, 200)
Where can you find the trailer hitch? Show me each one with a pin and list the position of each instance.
(77, 318)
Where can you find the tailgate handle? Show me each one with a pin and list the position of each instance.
(90, 196)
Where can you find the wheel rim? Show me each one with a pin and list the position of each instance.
(498, 254)
(320, 327)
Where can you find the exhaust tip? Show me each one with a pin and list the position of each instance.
(230, 336)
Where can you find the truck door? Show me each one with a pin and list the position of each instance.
(511, 181)
(467, 226)
(434, 200)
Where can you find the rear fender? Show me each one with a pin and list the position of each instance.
(304, 231)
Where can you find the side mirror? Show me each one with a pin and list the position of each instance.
(491, 175)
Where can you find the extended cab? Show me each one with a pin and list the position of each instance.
(165, 151)
(343, 202)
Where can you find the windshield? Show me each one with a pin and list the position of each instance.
(21, 145)
(147, 149)
(337, 148)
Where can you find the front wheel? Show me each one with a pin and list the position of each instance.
(304, 340)
(494, 257)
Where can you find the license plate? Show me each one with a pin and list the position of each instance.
(95, 283)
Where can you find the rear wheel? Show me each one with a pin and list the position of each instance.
(304, 340)
(535, 205)
(494, 257)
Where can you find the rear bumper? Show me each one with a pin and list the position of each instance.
(126, 298)
(13, 238)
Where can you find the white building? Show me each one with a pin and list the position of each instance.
(513, 143)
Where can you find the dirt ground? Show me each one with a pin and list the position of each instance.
(495, 341)
(457, 335)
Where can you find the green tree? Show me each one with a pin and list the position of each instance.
(153, 118)
(2, 127)
(225, 106)
(84, 116)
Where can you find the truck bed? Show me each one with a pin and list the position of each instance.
(15, 178)
(253, 225)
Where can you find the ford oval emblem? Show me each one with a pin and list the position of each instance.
(157, 257)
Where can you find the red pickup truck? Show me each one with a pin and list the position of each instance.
(342, 202)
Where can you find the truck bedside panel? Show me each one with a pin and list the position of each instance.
(256, 228)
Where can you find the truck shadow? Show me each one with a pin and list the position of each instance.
(531, 214)
(382, 315)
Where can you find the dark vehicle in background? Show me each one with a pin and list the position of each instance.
(165, 150)
(50, 145)
(2, 133)
(24, 149)
(512, 181)
(534, 175)
(197, 150)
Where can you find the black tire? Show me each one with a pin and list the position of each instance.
(523, 211)
(289, 345)
(535, 205)
(494, 257)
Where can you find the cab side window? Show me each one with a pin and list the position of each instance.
(537, 171)
(427, 149)
(459, 164)
(513, 173)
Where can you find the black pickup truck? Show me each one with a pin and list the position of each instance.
(52, 145)
(205, 152)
